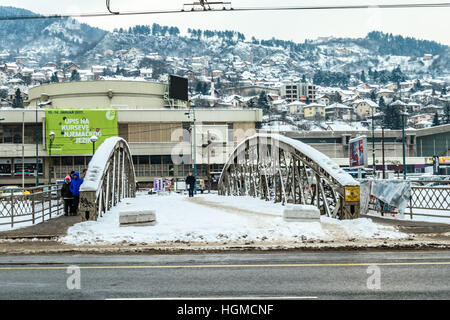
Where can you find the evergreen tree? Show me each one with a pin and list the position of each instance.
(3, 93)
(251, 104)
(444, 91)
(75, 76)
(54, 78)
(263, 103)
(397, 75)
(18, 100)
(418, 85)
(392, 118)
(382, 104)
(303, 79)
(436, 120)
(373, 96)
(363, 76)
(447, 113)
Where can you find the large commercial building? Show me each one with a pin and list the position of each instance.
(160, 134)
(420, 146)
(158, 130)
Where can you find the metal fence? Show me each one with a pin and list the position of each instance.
(30, 205)
(436, 198)
(426, 198)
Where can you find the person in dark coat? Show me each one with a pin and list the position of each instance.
(190, 184)
(67, 196)
(75, 189)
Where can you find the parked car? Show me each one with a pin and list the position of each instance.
(54, 192)
(12, 190)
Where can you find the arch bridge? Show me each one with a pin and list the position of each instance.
(280, 169)
(110, 177)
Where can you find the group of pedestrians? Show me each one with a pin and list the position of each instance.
(70, 192)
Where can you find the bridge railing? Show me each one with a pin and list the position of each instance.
(30, 205)
(110, 177)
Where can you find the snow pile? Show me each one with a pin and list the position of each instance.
(217, 220)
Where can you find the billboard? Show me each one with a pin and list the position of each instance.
(358, 152)
(73, 129)
(178, 88)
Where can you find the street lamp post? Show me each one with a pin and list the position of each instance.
(37, 145)
(404, 115)
(52, 137)
(382, 150)
(194, 157)
(373, 148)
(93, 140)
(40, 104)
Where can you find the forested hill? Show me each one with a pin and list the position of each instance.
(46, 40)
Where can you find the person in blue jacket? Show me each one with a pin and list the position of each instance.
(75, 189)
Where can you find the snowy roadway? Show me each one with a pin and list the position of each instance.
(214, 219)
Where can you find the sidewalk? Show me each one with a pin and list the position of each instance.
(411, 226)
(45, 230)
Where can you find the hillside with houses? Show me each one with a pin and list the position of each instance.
(321, 84)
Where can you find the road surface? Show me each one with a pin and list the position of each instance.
(292, 275)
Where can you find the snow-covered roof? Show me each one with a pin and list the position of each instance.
(296, 103)
(398, 103)
(369, 102)
(337, 106)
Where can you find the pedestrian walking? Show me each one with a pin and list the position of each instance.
(75, 189)
(190, 184)
(83, 174)
(67, 196)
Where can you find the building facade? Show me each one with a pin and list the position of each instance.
(159, 131)
(304, 92)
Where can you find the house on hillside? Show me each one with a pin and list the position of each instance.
(364, 108)
(339, 111)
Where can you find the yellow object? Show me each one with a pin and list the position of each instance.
(351, 194)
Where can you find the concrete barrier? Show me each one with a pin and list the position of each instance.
(137, 217)
(301, 213)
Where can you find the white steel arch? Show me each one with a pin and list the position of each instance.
(275, 167)
(110, 177)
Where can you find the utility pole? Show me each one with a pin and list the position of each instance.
(209, 164)
(23, 149)
(382, 152)
(403, 140)
(194, 140)
(373, 147)
(37, 146)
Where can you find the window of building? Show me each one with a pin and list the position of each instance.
(67, 161)
(79, 161)
(143, 159)
(13, 133)
(155, 159)
(167, 159)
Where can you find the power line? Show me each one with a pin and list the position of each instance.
(293, 8)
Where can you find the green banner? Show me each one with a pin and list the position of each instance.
(73, 129)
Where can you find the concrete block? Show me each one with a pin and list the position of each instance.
(301, 213)
(137, 217)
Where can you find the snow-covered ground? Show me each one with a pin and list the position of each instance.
(214, 219)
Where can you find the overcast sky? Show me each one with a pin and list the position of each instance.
(424, 23)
